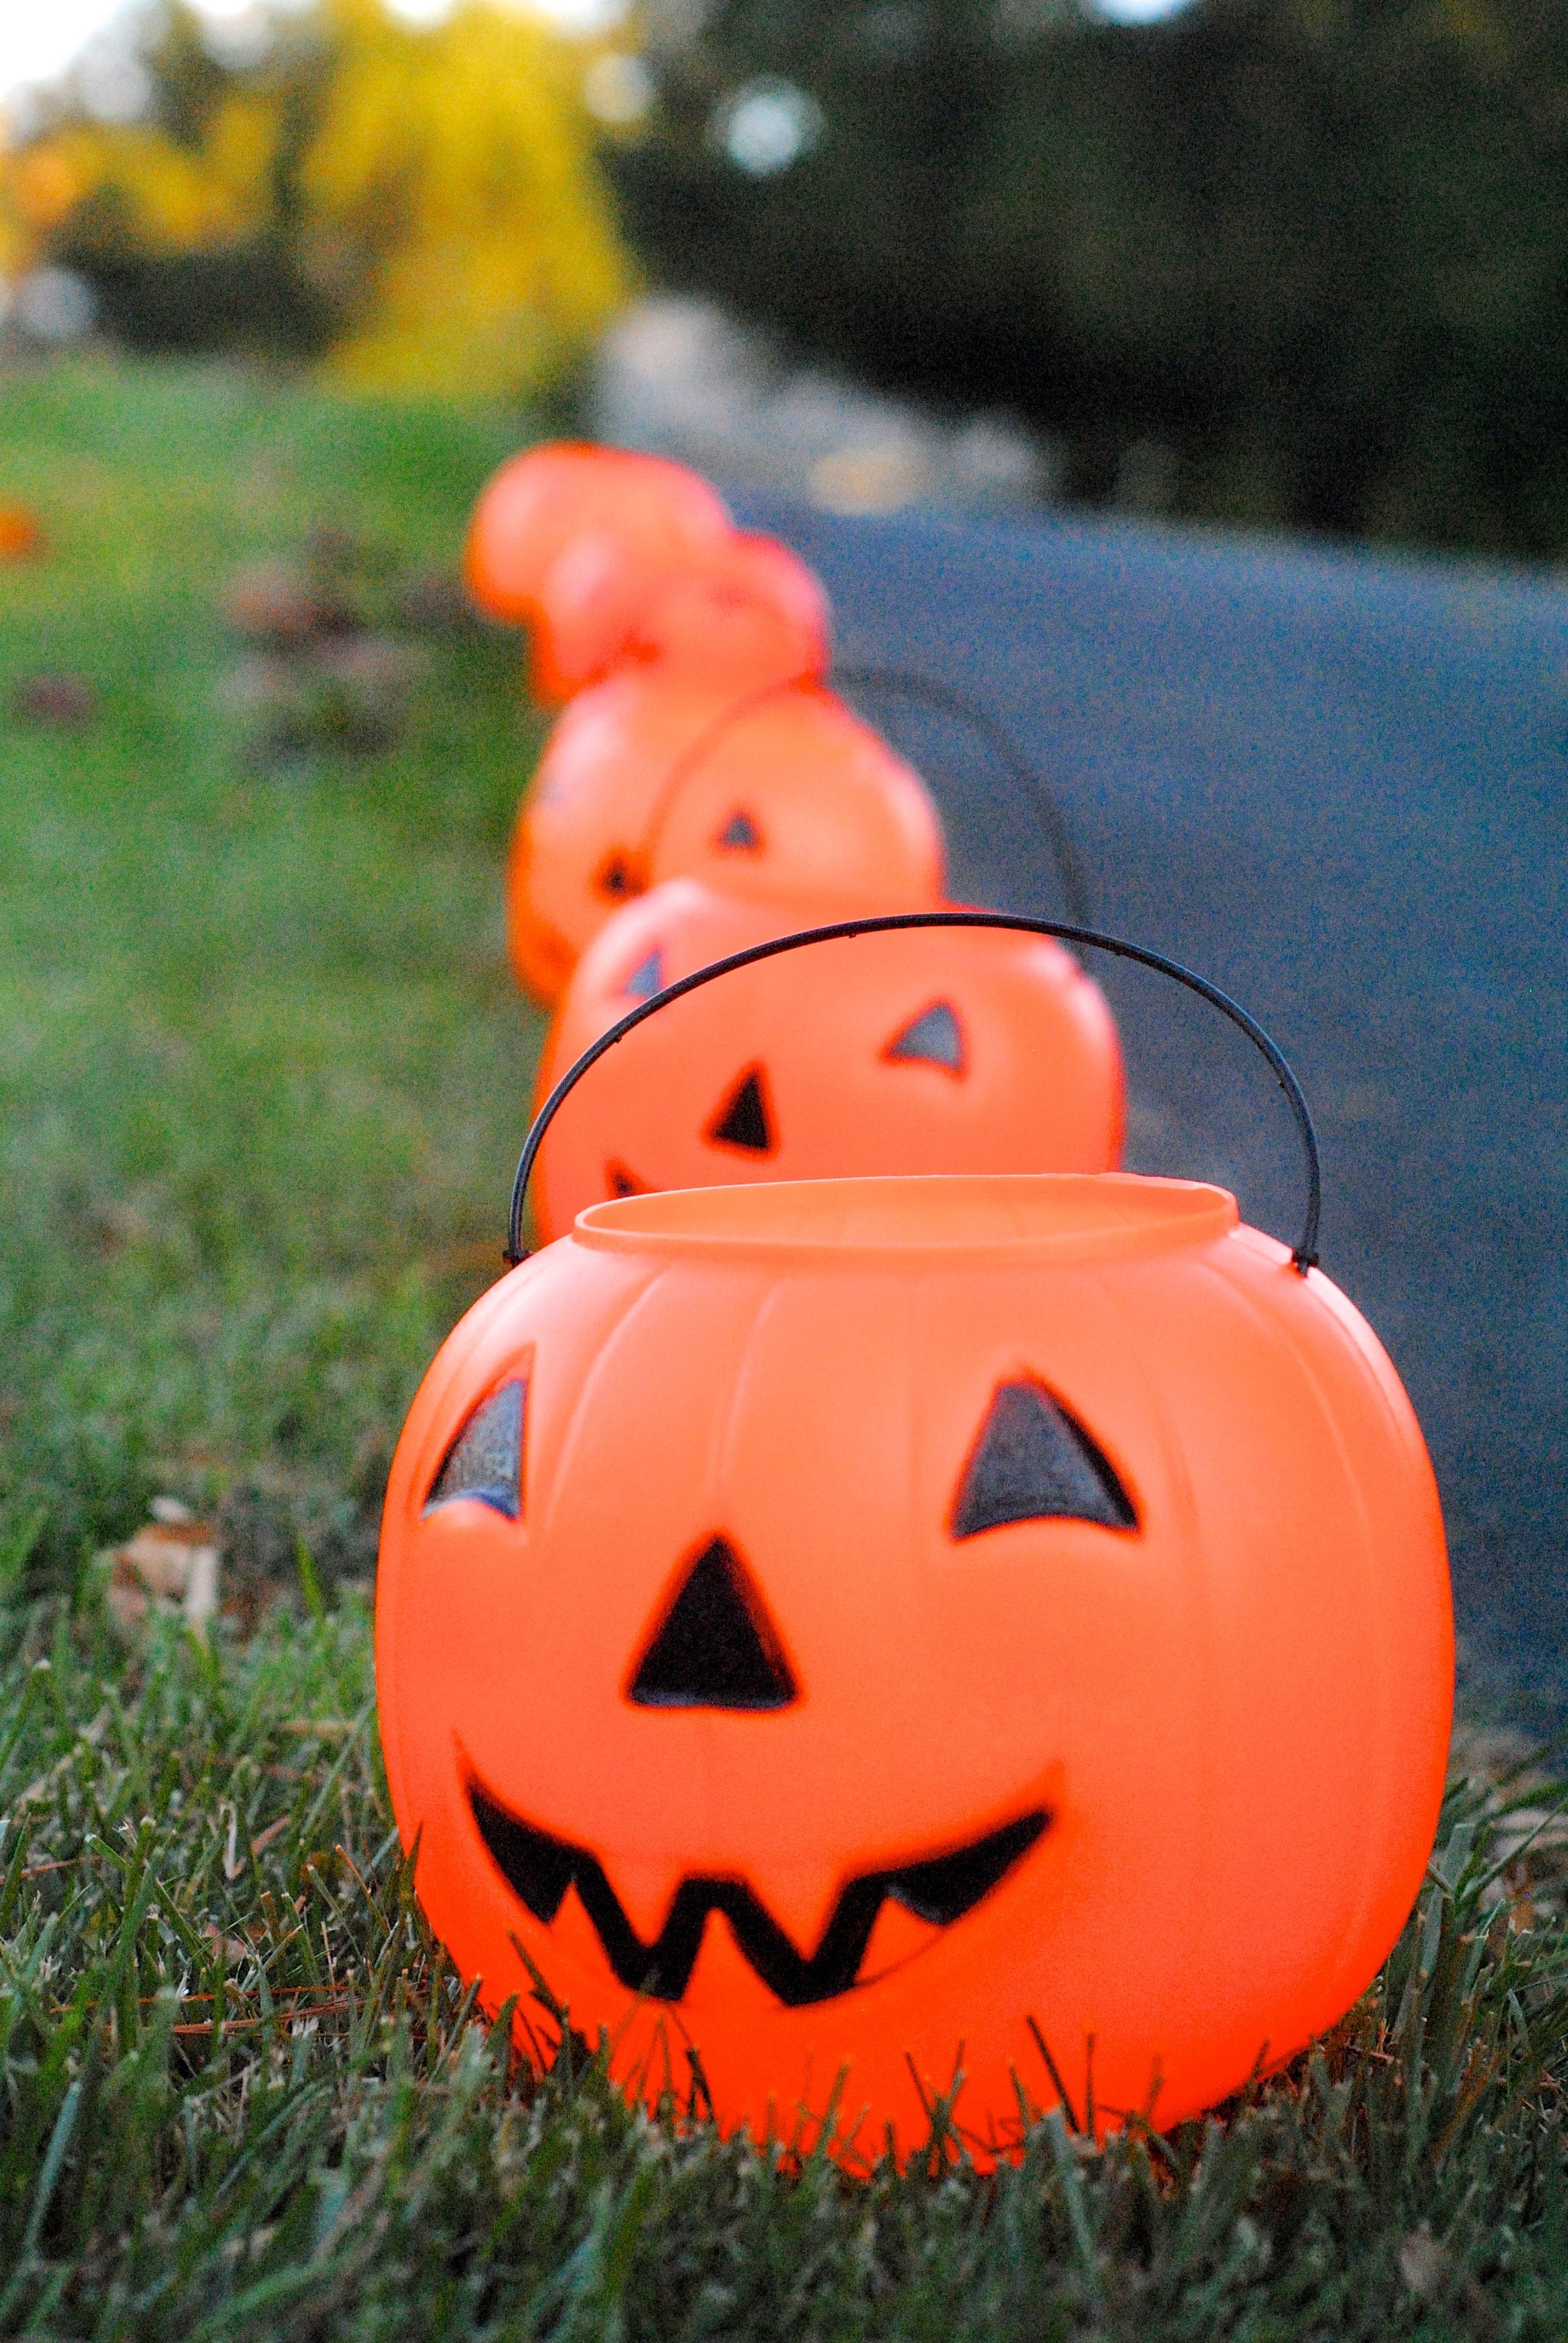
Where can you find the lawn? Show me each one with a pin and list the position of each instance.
(263, 1077)
(261, 1066)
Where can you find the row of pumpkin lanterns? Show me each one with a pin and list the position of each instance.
(704, 770)
(881, 1603)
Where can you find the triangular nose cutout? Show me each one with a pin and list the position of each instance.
(619, 1181)
(647, 978)
(716, 1647)
(1033, 1463)
(934, 1038)
(739, 834)
(743, 1121)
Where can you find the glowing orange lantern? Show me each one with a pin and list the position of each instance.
(852, 1631)
(908, 1052)
(540, 503)
(648, 776)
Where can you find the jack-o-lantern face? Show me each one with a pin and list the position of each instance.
(935, 1050)
(647, 512)
(845, 1626)
(647, 777)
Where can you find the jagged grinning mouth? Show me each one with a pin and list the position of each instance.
(540, 1868)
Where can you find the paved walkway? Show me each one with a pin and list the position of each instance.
(1338, 785)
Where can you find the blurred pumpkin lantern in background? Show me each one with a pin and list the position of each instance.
(540, 503)
(647, 777)
(21, 533)
(952, 1052)
(1023, 1616)
(746, 610)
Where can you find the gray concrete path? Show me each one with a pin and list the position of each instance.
(1337, 785)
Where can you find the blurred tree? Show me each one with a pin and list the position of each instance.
(420, 203)
(451, 173)
(1311, 256)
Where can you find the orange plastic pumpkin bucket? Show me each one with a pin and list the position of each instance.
(746, 610)
(21, 532)
(841, 1635)
(648, 776)
(540, 502)
(909, 1052)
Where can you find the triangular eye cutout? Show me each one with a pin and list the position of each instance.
(619, 1181)
(646, 979)
(485, 1460)
(617, 877)
(744, 1119)
(1033, 1463)
(739, 835)
(715, 1647)
(934, 1038)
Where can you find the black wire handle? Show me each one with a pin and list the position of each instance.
(1304, 1255)
(945, 700)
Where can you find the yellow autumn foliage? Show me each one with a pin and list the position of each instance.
(448, 203)
(176, 199)
(470, 136)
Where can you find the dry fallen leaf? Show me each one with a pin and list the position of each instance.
(52, 699)
(275, 604)
(173, 1558)
(1422, 2262)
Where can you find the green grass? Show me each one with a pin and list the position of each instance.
(262, 1076)
(242, 2096)
(261, 1066)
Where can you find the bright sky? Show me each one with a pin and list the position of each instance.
(37, 40)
